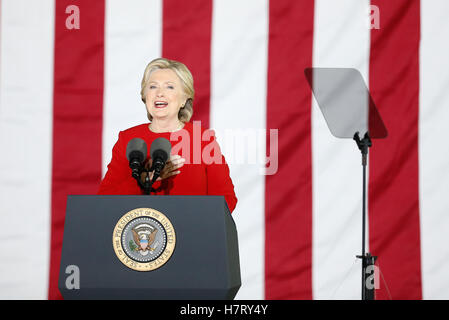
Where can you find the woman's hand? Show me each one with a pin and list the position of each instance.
(170, 169)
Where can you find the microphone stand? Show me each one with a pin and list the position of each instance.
(367, 259)
(146, 186)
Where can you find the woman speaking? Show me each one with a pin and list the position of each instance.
(196, 165)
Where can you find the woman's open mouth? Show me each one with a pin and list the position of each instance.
(160, 104)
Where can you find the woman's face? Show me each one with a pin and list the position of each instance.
(165, 95)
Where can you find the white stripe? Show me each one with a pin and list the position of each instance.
(132, 39)
(238, 101)
(341, 39)
(26, 96)
(433, 150)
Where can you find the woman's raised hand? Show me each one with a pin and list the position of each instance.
(170, 169)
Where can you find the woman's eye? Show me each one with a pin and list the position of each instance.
(152, 87)
(170, 87)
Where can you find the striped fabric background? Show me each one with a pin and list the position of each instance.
(66, 93)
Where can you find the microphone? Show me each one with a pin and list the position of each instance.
(160, 153)
(136, 153)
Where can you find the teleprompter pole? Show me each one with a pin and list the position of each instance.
(367, 259)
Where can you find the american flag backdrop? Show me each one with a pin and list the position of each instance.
(67, 89)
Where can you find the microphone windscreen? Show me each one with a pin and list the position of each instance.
(136, 146)
(161, 144)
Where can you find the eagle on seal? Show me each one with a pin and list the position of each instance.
(144, 236)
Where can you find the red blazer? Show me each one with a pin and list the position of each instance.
(198, 175)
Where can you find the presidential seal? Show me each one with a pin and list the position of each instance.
(144, 239)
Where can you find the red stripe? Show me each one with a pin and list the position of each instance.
(288, 194)
(186, 37)
(77, 115)
(393, 186)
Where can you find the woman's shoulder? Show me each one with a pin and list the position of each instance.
(195, 125)
(142, 130)
(136, 130)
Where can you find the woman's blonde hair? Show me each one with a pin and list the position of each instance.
(183, 73)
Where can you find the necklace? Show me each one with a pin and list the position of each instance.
(179, 127)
